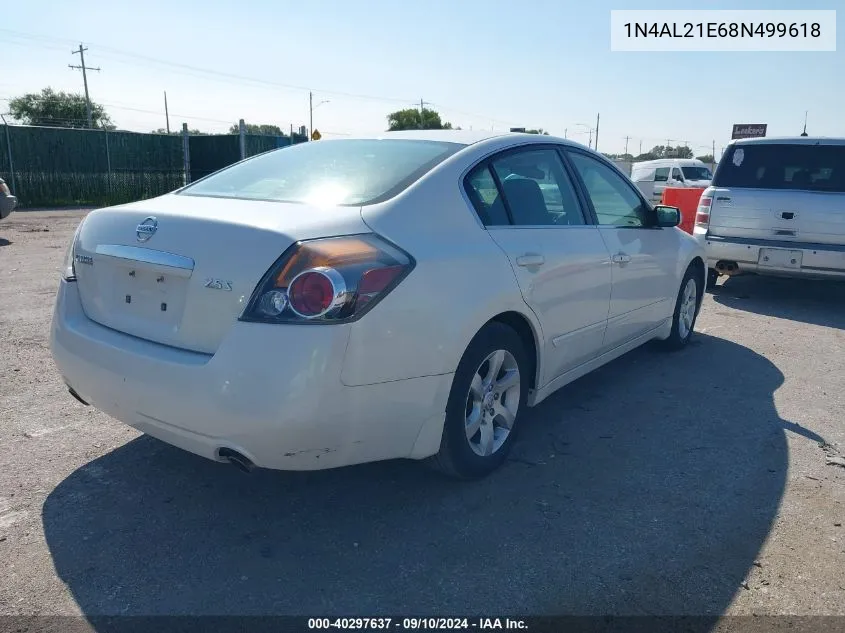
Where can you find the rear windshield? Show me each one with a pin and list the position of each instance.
(335, 172)
(787, 166)
(696, 173)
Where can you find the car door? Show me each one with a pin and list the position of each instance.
(528, 201)
(644, 256)
(677, 179)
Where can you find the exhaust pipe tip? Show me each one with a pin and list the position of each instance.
(241, 462)
(727, 268)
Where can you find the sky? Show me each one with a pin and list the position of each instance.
(482, 64)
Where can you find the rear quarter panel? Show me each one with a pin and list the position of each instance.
(461, 280)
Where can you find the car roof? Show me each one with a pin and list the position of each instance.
(460, 137)
(656, 161)
(465, 137)
(790, 140)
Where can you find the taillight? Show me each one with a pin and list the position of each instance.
(69, 266)
(702, 213)
(328, 280)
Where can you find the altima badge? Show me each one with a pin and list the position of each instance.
(218, 284)
(146, 229)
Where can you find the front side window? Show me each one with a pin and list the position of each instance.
(614, 200)
(661, 174)
(335, 172)
(536, 188)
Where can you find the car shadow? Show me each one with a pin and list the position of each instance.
(817, 302)
(4, 242)
(647, 487)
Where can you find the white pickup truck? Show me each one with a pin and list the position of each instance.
(776, 207)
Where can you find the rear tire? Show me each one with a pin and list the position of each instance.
(686, 311)
(485, 404)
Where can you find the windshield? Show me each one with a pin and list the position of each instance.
(784, 166)
(696, 173)
(336, 172)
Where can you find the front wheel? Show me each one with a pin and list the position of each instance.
(488, 395)
(686, 311)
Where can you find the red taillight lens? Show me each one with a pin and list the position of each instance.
(328, 280)
(313, 292)
(375, 281)
(702, 214)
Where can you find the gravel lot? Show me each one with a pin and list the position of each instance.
(690, 483)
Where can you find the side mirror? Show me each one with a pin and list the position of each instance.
(667, 216)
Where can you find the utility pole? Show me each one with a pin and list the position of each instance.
(166, 114)
(714, 151)
(597, 132)
(626, 145)
(804, 133)
(590, 139)
(565, 130)
(422, 113)
(311, 108)
(641, 148)
(84, 69)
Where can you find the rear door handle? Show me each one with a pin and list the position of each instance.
(621, 258)
(530, 259)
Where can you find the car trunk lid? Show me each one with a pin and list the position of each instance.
(794, 216)
(178, 270)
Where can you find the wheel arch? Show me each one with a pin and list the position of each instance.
(697, 264)
(523, 326)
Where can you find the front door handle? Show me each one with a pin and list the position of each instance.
(621, 258)
(530, 259)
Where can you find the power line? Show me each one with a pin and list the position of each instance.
(233, 77)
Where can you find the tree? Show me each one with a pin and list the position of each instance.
(263, 129)
(666, 151)
(707, 158)
(409, 119)
(540, 131)
(58, 109)
(193, 132)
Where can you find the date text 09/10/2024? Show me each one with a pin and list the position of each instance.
(722, 29)
(417, 624)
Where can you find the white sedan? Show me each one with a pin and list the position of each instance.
(345, 301)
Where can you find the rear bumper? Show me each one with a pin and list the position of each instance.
(7, 205)
(272, 393)
(814, 260)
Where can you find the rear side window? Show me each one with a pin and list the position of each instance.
(786, 166)
(484, 195)
(661, 174)
(336, 172)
